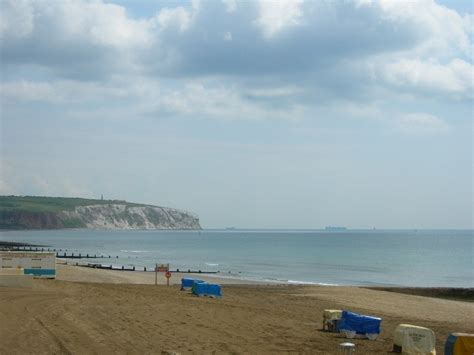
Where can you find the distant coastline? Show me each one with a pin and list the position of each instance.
(40, 212)
(335, 228)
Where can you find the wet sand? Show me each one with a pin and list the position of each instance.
(108, 314)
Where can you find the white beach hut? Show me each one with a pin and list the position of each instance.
(411, 339)
(38, 264)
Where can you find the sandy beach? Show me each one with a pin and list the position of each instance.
(88, 311)
(87, 274)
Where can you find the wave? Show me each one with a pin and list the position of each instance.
(295, 282)
(211, 264)
(134, 251)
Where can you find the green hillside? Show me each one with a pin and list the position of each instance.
(51, 204)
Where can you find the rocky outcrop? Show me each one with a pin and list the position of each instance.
(104, 216)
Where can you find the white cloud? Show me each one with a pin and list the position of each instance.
(455, 78)
(276, 15)
(443, 29)
(177, 17)
(421, 123)
(231, 5)
(96, 53)
(105, 24)
(69, 91)
(222, 103)
(16, 18)
(274, 92)
(134, 97)
(96, 22)
(28, 91)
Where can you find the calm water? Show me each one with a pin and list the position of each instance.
(409, 258)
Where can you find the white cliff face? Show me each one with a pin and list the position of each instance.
(121, 216)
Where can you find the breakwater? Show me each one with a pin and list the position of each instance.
(60, 254)
(134, 268)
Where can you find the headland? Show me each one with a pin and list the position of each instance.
(37, 212)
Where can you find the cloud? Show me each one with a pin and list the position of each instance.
(177, 17)
(421, 123)
(71, 39)
(95, 39)
(275, 16)
(69, 91)
(444, 30)
(455, 78)
(222, 103)
(28, 91)
(248, 53)
(231, 5)
(16, 19)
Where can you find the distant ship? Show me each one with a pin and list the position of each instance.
(335, 228)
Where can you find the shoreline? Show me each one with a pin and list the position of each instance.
(73, 273)
(304, 269)
(463, 294)
(78, 273)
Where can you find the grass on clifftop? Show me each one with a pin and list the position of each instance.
(51, 204)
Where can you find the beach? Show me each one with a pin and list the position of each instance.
(101, 311)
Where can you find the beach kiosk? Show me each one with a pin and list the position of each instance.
(354, 324)
(38, 264)
(459, 344)
(413, 340)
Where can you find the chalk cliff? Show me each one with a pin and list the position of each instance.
(101, 216)
(118, 216)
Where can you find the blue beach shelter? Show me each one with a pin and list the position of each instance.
(188, 283)
(353, 323)
(206, 289)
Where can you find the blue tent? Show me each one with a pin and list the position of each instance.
(359, 323)
(188, 283)
(206, 289)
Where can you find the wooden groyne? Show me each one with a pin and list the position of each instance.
(142, 269)
(18, 247)
(84, 256)
(59, 252)
(8, 245)
(63, 254)
(4, 247)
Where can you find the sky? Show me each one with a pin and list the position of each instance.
(262, 114)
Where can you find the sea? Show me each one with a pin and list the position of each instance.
(421, 258)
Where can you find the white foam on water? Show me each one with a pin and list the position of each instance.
(295, 282)
(134, 251)
(211, 264)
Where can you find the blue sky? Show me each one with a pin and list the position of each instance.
(265, 114)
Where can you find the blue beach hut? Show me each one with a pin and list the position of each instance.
(188, 283)
(206, 289)
(352, 324)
